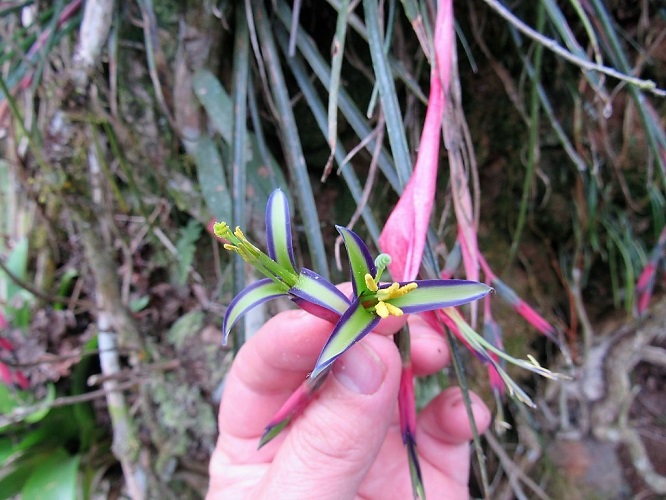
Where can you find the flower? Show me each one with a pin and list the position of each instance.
(354, 317)
(373, 300)
(306, 288)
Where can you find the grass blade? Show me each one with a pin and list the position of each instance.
(291, 142)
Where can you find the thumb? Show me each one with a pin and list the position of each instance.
(330, 448)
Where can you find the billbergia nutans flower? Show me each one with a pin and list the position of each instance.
(354, 316)
(305, 287)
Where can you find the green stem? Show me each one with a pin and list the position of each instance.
(240, 73)
(290, 141)
(460, 375)
(533, 152)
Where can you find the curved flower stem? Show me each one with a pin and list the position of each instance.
(407, 410)
(460, 375)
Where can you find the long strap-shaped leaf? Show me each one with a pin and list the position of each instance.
(290, 140)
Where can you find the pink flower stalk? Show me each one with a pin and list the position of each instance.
(293, 406)
(646, 280)
(7, 375)
(518, 304)
(404, 234)
(21, 380)
(407, 411)
(525, 310)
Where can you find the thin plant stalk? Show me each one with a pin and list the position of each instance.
(291, 141)
(241, 65)
(533, 139)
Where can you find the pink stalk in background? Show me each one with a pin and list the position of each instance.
(518, 304)
(9, 376)
(405, 232)
(647, 279)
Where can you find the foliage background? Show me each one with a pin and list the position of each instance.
(122, 142)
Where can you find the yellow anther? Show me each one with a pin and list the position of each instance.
(381, 310)
(221, 229)
(239, 234)
(387, 293)
(384, 310)
(393, 310)
(233, 248)
(405, 289)
(395, 290)
(370, 283)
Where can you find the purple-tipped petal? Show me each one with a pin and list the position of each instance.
(316, 310)
(354, 324)
(317, 290)
(278, 230)
(360, 260)
(436, 294)
(255, 294)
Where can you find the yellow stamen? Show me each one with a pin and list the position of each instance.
(221, 229)
(370, 283)
(405, 289)
(239, 234)
(381, 310)
(384, 310)
(233, 248)
(393, 310)
(395, 291)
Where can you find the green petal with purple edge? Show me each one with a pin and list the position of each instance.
(354, 324)
(315, 289)
(360, 260)
(255, 294)
(278, 230)
(436, 294)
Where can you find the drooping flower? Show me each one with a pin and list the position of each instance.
(306, 288)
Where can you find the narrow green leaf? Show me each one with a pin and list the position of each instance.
(352, 114)
(336, 67)
(239, 149)
(216, 102)
(317, 107)
(388, 95)
(210, 172)
(39, 414)
(290, 140)
(17, 263)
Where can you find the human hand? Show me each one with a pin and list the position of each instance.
(347, 442)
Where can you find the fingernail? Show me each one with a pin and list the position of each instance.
(360, 370)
